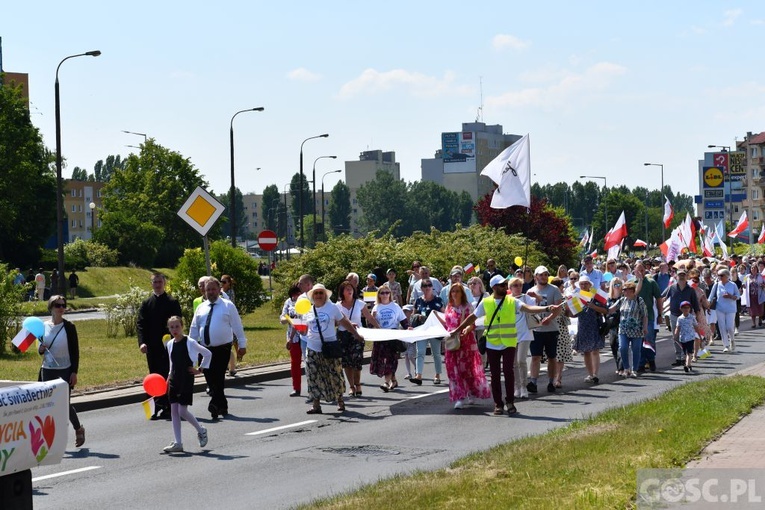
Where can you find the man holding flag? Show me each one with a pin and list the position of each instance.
(649, 291)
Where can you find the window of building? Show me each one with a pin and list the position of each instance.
(74, 223)
(74, 192)
(80, 193)
(80, 223)
(755, 194)
(74, 208)
(755, 173)
(98, 193)
(79, 208)
(756, 214)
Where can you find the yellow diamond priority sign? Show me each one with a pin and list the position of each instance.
(201, 211)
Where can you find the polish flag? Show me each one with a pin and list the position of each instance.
(669, 213)
(594, 254)
(616, 234)
(761, 239)
(469, 268)
(639, 244)
(740, 226)
(709, 249)
(23, 340)
(601, 296)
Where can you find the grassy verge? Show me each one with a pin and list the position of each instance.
(590, 464)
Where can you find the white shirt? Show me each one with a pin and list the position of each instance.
(389, 316)
(224, 324)
(354, 317)
(57, 354)
(329, 316)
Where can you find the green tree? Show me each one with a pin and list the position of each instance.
(465, 209)
(27, 183)
(339, 214)
(295, 192)
(270, 207)
(79, 174)
(148, 191)
(431, 205)
(242, 222)
(384, 202)
(102, 171)
(137, 242)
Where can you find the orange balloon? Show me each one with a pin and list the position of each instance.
(155, 385)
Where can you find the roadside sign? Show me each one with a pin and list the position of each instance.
(267, 240)
(201, 211)
(713, 177)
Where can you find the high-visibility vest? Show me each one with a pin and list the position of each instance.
(503, 330)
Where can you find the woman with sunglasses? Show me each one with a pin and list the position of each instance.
(60, 350)
(384, 361)
(424, 305)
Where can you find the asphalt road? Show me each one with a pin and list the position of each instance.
(270, 454)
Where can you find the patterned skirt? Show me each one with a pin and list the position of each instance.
(325, 377)
(353, 350)
(384, 359)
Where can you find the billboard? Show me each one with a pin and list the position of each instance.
(458, 150)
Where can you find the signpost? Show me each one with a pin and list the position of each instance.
(267, 240)
(201, 211)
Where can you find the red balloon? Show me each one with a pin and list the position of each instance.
(155, 385)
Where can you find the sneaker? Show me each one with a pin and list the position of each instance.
(408, 376)
(634, 375)
(202, 436)
(458, 404)
(725, 349)
(711, 341)
(550, 388)
(498, 410)
(524, 394)
(173, 448)
(531, 387)
(652, 366)
(735, 332)
(588, 378)
(471, 400)
(517, 393)
(511, 410)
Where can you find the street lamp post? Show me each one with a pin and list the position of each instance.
(605, 187)
(663, 228)
(314, 194)
(137, 134)
(322, 197)
(92, 206)
(59, 180)
(300, 191)
(726, 148)
(232, 194)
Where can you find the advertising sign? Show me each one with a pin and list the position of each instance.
(713, 193)
(458, 151)
(713, 177)
(721, 161)
(737, 165)
(34, 419)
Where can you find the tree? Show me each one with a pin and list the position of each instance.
(27, 183)
(137, 242)
(102, 172)
(384, 202)
(295, 191)
(431, 206)
(242, 222)
(465, 209)
(79, 174)
(339, 216)
(149, 190)
(548, 226)
(270, 207)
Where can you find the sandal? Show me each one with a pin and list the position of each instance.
(393, 384)
(314, 410)
(437, 380)
(79, 436)
(358, 390)
(341, 406)
(385, 388)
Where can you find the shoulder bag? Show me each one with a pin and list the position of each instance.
(482, 340)
(713, 297)
(331, 350)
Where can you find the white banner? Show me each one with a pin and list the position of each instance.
(431, 329)
(34, 419)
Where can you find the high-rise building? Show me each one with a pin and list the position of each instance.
(358, 173)
(82, 218)
(753, 149)
(457, 165)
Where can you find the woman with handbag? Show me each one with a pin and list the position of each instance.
(323, 367)
(464, 367)
(60, 350)
(354, 310)
(589, 341)
(385, 355)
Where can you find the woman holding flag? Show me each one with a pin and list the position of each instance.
(588, 341)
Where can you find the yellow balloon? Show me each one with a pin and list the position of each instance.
(518, 261)
(302, 306)
(550, 279)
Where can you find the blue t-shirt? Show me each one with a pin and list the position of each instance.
(687, 328)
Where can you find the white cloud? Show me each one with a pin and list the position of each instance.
(303, 74)
(372, 81)
(570, 88)
(730, 17)
(502, 41)
(757, 22)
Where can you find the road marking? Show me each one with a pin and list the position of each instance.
(307, 422)
(64, 473)
(427, 394)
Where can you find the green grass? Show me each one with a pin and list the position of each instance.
(591, 464)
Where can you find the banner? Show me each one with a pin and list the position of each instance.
(34, 419)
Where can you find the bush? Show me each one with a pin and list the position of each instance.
(10, 306)
(124, 312)
(81, 253)
(225, 259)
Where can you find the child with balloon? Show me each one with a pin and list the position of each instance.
(183, 355)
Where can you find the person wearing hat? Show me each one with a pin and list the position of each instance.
(324, 374)
(676, 294)
(685, 333)
(504, 314)
(546, 335)
(455, 276)
(588, 340)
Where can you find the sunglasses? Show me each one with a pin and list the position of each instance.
(574, 279)
(384, 293)
(424, 285)
(59, 305)
(617, 285)
(318, 293)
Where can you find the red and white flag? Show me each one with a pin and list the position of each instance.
(709, 247)
(743, 222)
(601, 296)
(615, 235)
(469, 268)
(23, 340)
(761, 239)
(639, 243)
(594, 254)
(669, 213)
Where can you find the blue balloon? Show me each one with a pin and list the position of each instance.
(35, 326)
(608, 276)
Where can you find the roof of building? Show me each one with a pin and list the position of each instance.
(758, 138)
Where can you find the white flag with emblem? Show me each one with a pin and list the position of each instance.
(511, 171)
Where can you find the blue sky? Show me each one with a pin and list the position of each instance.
(600, 86)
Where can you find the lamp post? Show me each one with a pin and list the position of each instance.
(232, 195)
(92, 206)
(300, 191)
(605, 187)
(59, 181)
(322, 196)
(314, 194)
(663, 228)
(138, 134)
(726, 148)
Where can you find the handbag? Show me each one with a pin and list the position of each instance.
(331, 350)
(482, 340)
(533, 321)
(452, 342)
(713, 300)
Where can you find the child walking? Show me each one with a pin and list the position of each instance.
(686, 332)
(180, 383)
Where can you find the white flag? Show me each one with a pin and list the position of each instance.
(511, 171)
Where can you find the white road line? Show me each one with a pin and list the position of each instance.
(427, 394)
(307, 422)
(64, 473)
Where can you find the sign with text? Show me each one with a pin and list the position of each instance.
(713, 177)
(713, 193)
(201, 211)
(737, 165)
(34, 419)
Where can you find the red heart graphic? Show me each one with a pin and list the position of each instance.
(49, 430)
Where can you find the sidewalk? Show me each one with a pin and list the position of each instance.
(743, 445)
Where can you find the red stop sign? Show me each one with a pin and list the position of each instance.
(267, 240)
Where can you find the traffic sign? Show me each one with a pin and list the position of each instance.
(201, 211)
(267, 240)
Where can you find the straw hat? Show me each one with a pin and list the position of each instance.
(319, 286)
